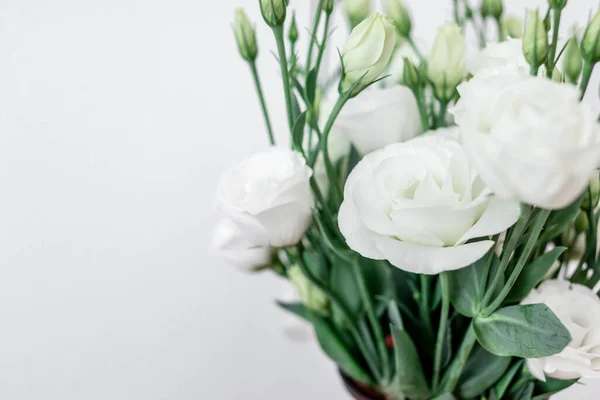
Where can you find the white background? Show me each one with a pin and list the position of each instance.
(116, 119)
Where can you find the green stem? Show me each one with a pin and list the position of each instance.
(509, 248)
(313, 35)
(424, 308)
(457, 18)
(501, 34)
(588, 67)
(263, 105)
(323, 43)
(379, 337)
(531, 242)
(420, 96)
(279, 38)
(441, 336)
(441, 121)
(324, 142)
(460, 359)
(552, 53)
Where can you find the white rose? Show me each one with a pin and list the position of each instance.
(269, 196)
(367, 51)
(379, 117)
(231, 244)
(417, 204)
(578, 308)
(529, 138)
(504, 58)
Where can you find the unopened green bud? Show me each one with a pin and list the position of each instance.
(310, 295)
(592, 193)
(557, 4)
(535, 42)
(512, 27)
(293, 31)
(411, 76)
(357, 11)
(396, 10)
(572, 62)
(491, 8)
(590, 46)
(581, 222)
(327, 6)
(245, 36)
(468, 12)
(273, 11)
(446, 68)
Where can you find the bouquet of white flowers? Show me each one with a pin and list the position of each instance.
(441, 225)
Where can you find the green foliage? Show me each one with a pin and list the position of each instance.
(409, 380)
(481, 371)
(468, 285)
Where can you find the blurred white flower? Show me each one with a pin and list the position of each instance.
(418, 204)
(451, 132)
(268, 195)
(229, 243)
(578, 308)
(504, 58)
(529, 138)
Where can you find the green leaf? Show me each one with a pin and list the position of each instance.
(467, 286)
(377, 277)
(394, 315)
(551, 386)
(482, 370)
(298, 309)
(560, 219)
(527, 331)
(445, 396)
(533, 274)
(343, 283)
(353, 159)
(504, 383)
(295, 107)
(409, 380)
(317, 264)
(524, 392)
(311, 86)
(298, 132)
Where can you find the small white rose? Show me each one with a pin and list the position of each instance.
(379, 117)
(367, 51)
(578, 308)
(504, 58)
(529, 138)
(418, 204)
(231, 244)
(268, 195)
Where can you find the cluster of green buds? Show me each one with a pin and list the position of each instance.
(400, 16)
(535, 41)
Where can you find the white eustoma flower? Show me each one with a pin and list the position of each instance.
(269, 196)
(451, 132)
(578, 308)
(229, 243)
(419, 204)
(529, 138)
(379, 117)
(504, 58)
(367, 51)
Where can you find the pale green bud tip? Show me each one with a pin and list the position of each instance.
(293, 32)
(411, 76)
(396, 10)
(535, 41)
(245, 35)
(447, 63)
(273, 11)
(327, 6)
(310, 295)
(492, 8)
(592, 194)
(573, 63)
(512, 27)
(357, 11)
(590, 47)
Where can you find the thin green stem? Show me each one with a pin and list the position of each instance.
(441, 336)
(424, 308)
(263, 105)
(531, 242)
(412, 44)
(588, 68)
(313, 35)
(508, 250)
(441, 120)
(455, 10)
(287, 90)
(460, 359)
(501, 33)
(550, 64)
(324, 142)
(375, 325)
(323, 43)
(420, 96)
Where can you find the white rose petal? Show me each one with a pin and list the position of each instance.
(268, 195)
(504, 58)
(578, 308)
(418, 204)
(231, 244)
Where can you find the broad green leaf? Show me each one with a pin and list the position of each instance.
(298, 131)
(482, 370)
(311, 86)
(560, 219)
(343, 283)
(445, 396)
(377, 277)
(467, 286)
(409, 380)
(524, 392)
(317, 264)
(504, 383)
(527, 331)
(298, 309)
(552, 386)
(533, 274)
(295, 107)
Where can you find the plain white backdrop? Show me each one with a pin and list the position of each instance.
(116, 119)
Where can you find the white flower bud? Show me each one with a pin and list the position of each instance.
(512, 27)
(229, 243)
(535, 41)
(590, 46)
(573, 62)
(367, 52)
(357, 11)
(447, 65)
(310, 295)
(245, 36)
(396, 10)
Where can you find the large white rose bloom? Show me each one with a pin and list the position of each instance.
(229, 243)
(417, 204)
(529, 138)
(379, 117)
(268, 195)
(578, 308)
(504, 58)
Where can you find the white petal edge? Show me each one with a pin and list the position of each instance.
(499, 215)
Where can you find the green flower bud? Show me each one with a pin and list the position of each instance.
(411, 76)
(572, 62)
(327, 6)
(468, 12)
(491, 8)
(512, 27)
(396, 10)
(535, 42)
(590, 45)
(592, 194)
(293, 31)
(557, 4)
(357, 11)
(446, 68)
(310, 295)
(245, 36)
(575, 243)
(581, 222)
(273, 11)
